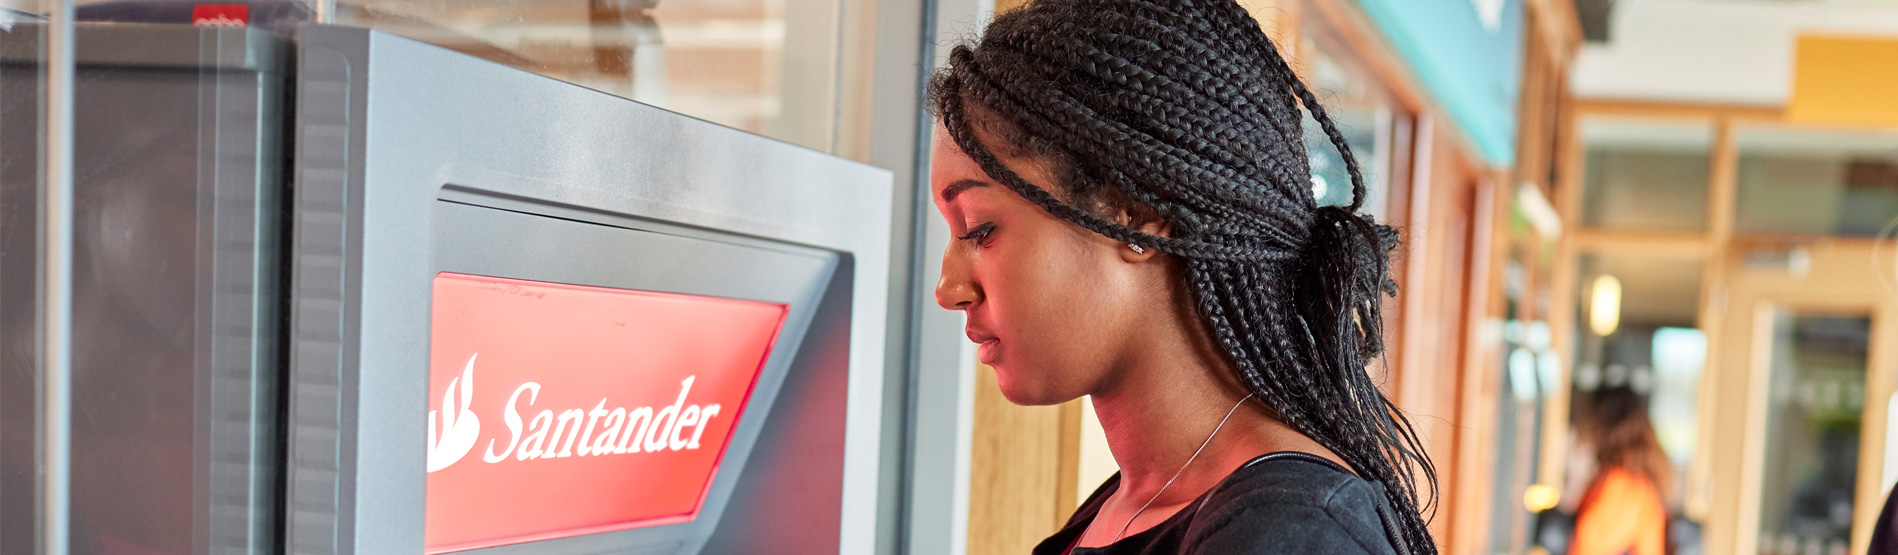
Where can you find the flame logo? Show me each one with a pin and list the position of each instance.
(452, 437)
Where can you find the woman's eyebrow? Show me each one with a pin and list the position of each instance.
(949, 193)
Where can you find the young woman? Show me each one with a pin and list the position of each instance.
(1136, 223)
(1623, 511)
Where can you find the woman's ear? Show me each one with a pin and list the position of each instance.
(1144, 220)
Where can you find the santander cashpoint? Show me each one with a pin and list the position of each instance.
(528, 317)
(419, 302)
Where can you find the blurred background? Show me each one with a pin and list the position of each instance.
(1674, 217)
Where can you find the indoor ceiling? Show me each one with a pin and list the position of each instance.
(1710, 51)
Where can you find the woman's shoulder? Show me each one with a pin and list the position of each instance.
(1622, 478)
(1622, 488)
(1291, 503)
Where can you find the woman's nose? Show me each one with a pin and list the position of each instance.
(955, 290)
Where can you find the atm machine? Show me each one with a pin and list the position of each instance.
(426, 303)
(458, 221)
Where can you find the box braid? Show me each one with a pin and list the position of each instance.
(1184, 107)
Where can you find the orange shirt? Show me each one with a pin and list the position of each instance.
(1623, 514)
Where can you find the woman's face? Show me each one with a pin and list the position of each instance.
(1049, 303)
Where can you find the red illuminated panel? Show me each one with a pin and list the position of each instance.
(559, 410)
(220, 15)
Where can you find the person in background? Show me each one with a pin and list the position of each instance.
(1623, 511)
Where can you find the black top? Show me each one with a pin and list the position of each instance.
(1291, 503)
(1885, 532)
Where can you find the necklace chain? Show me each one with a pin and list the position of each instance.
(1176, 473)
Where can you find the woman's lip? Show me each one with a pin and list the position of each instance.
(986, 351)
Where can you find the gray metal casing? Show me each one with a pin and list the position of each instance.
(399, 142)
(177, 301)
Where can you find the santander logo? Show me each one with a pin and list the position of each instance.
(459, 426)
(553, 435)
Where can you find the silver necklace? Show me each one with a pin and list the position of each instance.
(1176, 473)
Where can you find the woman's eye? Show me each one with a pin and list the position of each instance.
(979, 233)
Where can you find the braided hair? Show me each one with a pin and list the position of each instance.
(1184, 109)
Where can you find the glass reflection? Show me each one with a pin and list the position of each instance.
(764, 66)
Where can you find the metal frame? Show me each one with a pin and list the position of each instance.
(221, 90)
(941, 361)
(578, 148)
(56, 282)
(477, 232)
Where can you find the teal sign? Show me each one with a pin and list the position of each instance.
(1468, 53)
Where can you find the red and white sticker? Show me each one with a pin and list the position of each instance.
(220, 15)
(560, 410)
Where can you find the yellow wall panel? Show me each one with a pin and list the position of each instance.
(1845, 81)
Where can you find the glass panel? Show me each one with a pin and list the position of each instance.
(1362, 110)
(22, 134)
(1645, 175)
(764, 66)
(1797, 182)
(1815, 400)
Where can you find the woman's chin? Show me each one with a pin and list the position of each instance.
(1029, 395)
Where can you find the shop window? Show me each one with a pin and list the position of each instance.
(764, 66)
(1815, 405)
(1804, 182)
(1645, 175)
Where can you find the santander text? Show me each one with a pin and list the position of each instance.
(597, 432)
